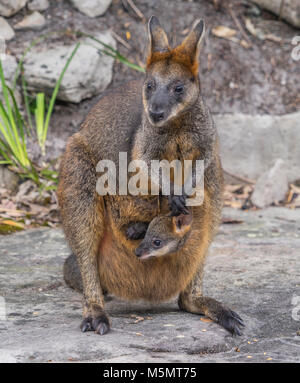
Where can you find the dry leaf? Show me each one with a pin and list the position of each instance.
(205, 320)
(12, 223)
(223, 31)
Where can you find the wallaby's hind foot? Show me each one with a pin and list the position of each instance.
(98, 322)
(214, 310)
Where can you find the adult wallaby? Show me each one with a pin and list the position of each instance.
(162, 117)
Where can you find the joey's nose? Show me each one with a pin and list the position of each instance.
(138, 252)
(157, 116)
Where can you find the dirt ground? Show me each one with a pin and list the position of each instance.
(262, 79)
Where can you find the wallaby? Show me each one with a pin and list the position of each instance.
(162, 117)
(165, 235)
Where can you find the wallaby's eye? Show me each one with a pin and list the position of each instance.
(178, 89)
(149, 86)
(156, 242)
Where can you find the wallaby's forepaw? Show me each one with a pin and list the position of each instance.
(177, 205)
(231, 321)
(100, 324)
(137, 230)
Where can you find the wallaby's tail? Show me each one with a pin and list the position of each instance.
(72, 274)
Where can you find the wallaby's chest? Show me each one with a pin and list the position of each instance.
(179, 148)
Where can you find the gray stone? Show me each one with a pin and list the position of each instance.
(10, 7)
(92, 8)
(8, 179)
(9, 65)
(252, 267)
(251, 144)
(89, 73)
(38, 5)
(6, 31)
(272, 186)
(33, 21)
(290, 10)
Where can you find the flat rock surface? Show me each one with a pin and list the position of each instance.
(253, 267)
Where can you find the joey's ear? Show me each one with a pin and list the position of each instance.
(191, 44)
(157, 37)
(182, 223)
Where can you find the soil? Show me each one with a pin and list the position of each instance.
(261, 80)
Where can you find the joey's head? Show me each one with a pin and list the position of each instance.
(171, 85)
(165, 235)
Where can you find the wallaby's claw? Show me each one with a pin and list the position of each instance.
(101, 324)
(102, 328)
(231, 321)
(177, 205)
(86, 324)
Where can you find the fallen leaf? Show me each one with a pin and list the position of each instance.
(223, 31)
(13, 223)
(205, 320)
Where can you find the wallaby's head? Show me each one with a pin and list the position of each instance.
(165, 235)
(172, 84)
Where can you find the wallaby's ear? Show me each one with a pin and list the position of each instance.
(191, 44)
(182, 223)
(157, 37)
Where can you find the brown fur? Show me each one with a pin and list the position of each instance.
(95, 226)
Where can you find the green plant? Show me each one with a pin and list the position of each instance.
(15, 130)
(13, 147)
(110, 51)
(42, 122)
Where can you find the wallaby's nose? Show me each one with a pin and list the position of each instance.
(138, 251)
(157, 116)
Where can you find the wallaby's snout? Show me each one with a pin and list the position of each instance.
(142, 252)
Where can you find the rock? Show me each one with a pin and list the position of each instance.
(9, 65)
(272, 186)
(34, 21)
(38, 5)
(290, 10)
(253, 271)
(88, 74)
(6, 31)
(92, 8)
(251, 144)
(8, 179)
(10, 7)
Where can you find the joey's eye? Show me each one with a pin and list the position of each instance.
(149, 86)
(178, 89)
(156, 242)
